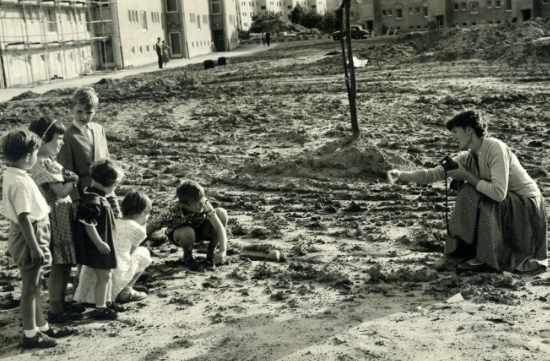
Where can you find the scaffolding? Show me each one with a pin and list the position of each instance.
(42, 31)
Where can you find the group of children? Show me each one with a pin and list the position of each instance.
(59, 195)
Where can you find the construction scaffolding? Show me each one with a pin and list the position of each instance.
(49, 39)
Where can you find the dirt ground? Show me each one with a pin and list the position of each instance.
(264, 134)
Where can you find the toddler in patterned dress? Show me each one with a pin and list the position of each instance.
(56, 184)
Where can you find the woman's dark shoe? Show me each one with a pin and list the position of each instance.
(63, 317)
(472, 265)
(40, 340)
(104, 314)
(61, 332)
(446, 263)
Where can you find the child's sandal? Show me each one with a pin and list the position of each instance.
(61, 332)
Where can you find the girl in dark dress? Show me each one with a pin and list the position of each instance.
(94, 234)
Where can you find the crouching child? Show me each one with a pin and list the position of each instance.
(193, 219)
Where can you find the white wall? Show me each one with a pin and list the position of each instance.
(139, 26)
(40, 43)
(247, 10)
(196, 23)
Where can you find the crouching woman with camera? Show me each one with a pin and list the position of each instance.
(499, 219)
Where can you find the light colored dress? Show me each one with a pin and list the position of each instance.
(132, 259)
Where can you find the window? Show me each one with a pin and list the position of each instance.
(192, 17)
(390, 12)
(205, 19)
(399, 13)
(457, 6)
(384, 12)
(498, 3)
(171, 6)
(52, 20)
(425, 11)
(199, 21)
(144, 20)
(509, 5)
(474, 7)
(217, 8)
(464, 5)
(489, 3)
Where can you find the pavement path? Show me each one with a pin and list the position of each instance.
(7, 94)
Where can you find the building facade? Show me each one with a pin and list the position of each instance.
(224, 24)
(43, 40)
(245, 13)
(390, 16)
(270, 7)
(317, 6)
(188, 27)
(136, 27)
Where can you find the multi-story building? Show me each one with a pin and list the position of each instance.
(43, 40)
(225, 31)
(542, 8)
(317, 6)
(137, 25)
(188, 27)
(270, 6)
(245, 13)
(465, 13)
(384, 16)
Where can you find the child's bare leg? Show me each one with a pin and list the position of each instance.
(31, 283)
(57, 283)
(39, 314)
(222, 215)
(101, 287)
(185, 237)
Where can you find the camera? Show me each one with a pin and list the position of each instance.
(448, 164)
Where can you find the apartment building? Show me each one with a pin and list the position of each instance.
(385, 16)
(465, 13)
(137, 25)
(245, 13)
(188, 27)
(43, 40)
(225, 27)
(270, 6)
(317, 6)
(542, 8)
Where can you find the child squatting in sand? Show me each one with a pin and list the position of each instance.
(192, 218)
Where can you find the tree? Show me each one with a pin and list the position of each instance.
(267, 22)
(297, 14)
(312, 20)
(329, 23)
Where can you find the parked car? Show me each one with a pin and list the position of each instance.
(357, 32)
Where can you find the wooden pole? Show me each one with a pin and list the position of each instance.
(352, 90)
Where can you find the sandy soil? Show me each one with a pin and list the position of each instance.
(264, 135)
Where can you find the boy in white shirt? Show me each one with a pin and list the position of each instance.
(29, 234)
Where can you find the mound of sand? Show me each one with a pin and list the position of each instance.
(336, 159)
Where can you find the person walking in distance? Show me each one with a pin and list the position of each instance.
(158, 50)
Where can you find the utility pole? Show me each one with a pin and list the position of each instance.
(349, 66)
